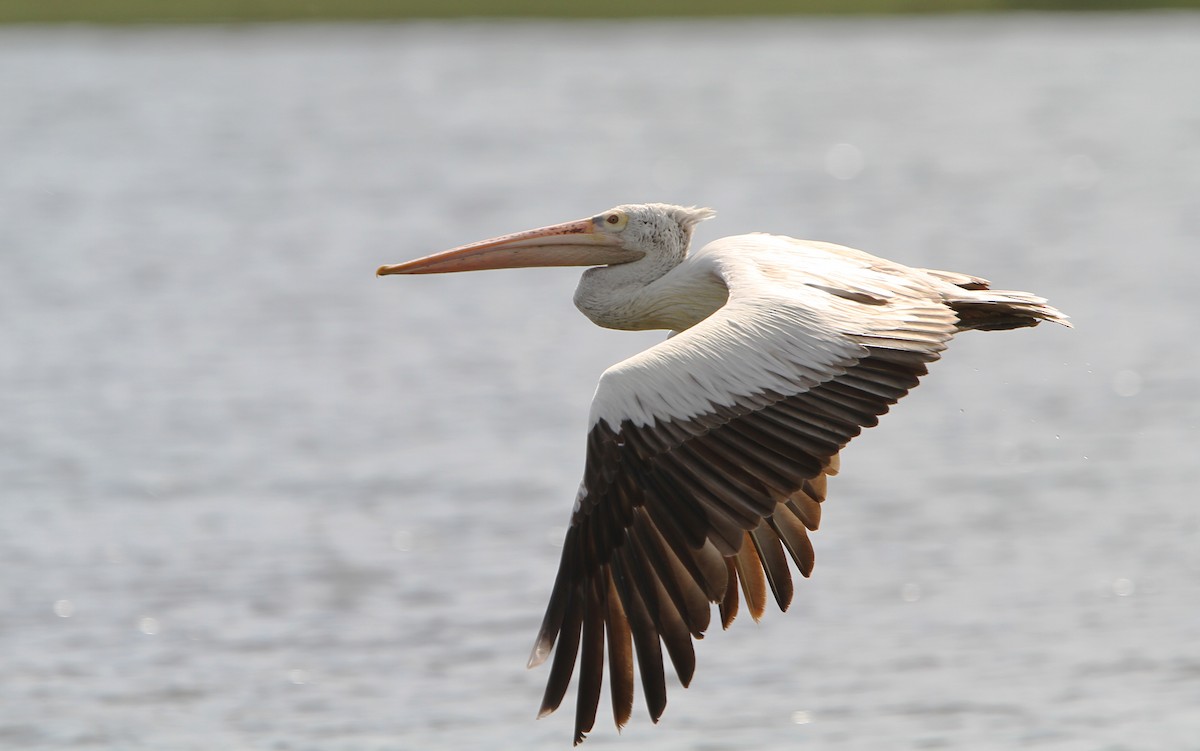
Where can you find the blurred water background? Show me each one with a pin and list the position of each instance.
(252, 497)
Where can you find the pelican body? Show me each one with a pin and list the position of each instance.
(707, 454)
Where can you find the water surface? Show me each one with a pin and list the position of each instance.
(255, 498)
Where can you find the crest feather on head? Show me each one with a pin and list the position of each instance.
(687, 216)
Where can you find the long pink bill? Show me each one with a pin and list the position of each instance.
(578, 243)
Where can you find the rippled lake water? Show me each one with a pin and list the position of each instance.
(255, 498)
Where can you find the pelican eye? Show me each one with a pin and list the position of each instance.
(613, 220)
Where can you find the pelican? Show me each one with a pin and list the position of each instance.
(708, 453)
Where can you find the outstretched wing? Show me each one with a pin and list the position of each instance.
(706, 462)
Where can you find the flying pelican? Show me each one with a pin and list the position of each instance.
(707, 454)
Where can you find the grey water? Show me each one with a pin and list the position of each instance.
(252, 497)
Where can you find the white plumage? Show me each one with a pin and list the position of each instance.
(781, 329)
(707, 454)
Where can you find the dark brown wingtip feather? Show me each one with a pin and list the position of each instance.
(754, 582)
(591, 664)
(564, 655)
(620, 658)
(806, 508)
(675, 636)
(794, 536)
(669, 623)
(645, 638)
(556, 609)
(774, 560)
(729, 604)
(703, 562)
(686, 580)
(677, 583)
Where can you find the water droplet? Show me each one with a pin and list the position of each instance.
(910, 592)
(64, 608)
(844, 161)
(298, 677)
(1122, 587)
(800, 717)
(148, 626)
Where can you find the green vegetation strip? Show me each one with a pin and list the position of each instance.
(219, 11)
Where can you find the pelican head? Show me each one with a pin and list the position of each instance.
(660, 231)
(657, 232)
